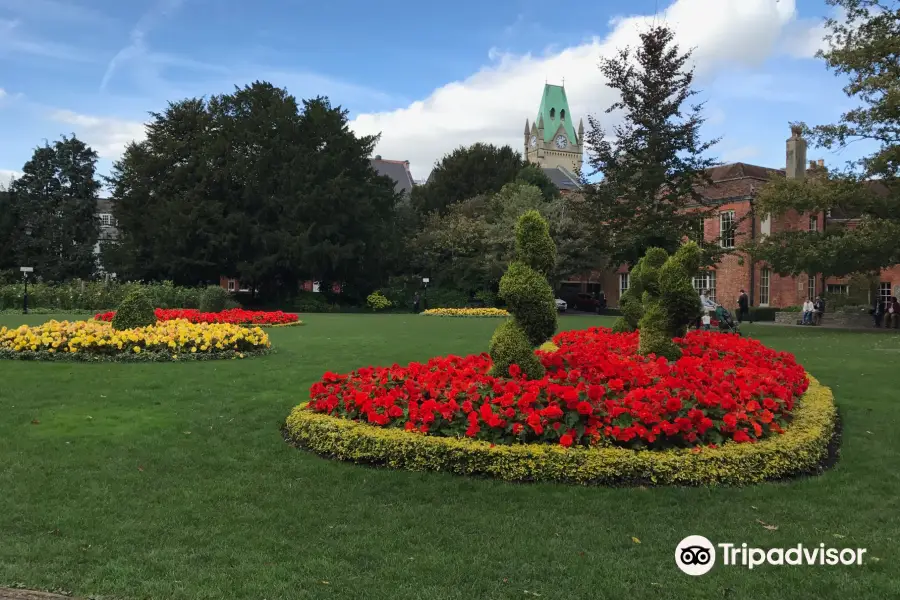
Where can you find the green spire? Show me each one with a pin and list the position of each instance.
(555, 111)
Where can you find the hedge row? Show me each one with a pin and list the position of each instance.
(803, 448)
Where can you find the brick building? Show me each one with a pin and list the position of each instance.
(733, 190)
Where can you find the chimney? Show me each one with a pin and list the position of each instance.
(795, 164)
(377, 157)
(821, 162)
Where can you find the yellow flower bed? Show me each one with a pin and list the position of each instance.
(466, 312)
(803, 448)
(97, 340)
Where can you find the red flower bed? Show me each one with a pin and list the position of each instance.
(235, 316)
(597, 390)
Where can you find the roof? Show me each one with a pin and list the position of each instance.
(561, 178)
(397, 170)
(554, 111)
(736, 180)
(104, 206)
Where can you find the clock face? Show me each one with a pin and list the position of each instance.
(533, 141)
(561, 141)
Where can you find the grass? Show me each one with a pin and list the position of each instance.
(172, 481)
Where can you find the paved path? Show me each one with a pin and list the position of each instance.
(13, 594)
(827, 327)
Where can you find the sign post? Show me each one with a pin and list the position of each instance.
(25, 272)
(425, 281)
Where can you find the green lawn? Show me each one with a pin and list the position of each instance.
(172, 481)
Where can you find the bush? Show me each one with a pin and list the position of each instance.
(762, 313)
(214, 299)
(94, 296)
(135, 311)
(377, 301)
(529, 297)
(310, 302)
(801, 449)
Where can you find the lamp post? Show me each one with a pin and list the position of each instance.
(425, 281)
(25, 272)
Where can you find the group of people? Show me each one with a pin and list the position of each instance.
(886, 310)
(813, 311)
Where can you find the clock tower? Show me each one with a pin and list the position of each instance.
(551, 141)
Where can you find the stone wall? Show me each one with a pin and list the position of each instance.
(830, 319)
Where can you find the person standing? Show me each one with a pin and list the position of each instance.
(878, 311)
(892, 313)
(416, 303)
(744, 307)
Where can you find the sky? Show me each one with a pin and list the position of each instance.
(428, 78)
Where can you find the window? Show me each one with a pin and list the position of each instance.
(884, 291)
(701, 229)
(765, 226)
(726, 229)
(562, 115)
(813, 222)
(231, 285)
(764, 287)
(838, 288)
(106, 219)
(706, 282)
(552, 113)
(811, 287)
(623, 283)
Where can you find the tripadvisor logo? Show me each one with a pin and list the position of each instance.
(696, 555)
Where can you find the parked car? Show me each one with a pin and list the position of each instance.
(589, 303)
(561, 305)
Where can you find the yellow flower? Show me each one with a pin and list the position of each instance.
(137, 349)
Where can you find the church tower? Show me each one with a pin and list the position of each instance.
(551, 140)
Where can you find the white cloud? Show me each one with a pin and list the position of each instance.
(107, 135)
(7, 175)
(492, 105)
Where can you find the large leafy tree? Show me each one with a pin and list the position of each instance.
(252, 184)
(471, 244)
(864, 46)
(654, 160)
(9, 230)
(465, 173)
(54, 205)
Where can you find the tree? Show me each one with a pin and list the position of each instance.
(652, 169)
(532, 174)
(864, 45)
(251, 184)
(9, 230)
(55, 203)
(465, 173)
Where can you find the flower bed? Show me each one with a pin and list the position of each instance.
(598, 390)
(234, 316)
(465, 312)
(602, 412)
(98, 341)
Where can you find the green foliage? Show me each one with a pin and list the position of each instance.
(661, 301)
(377, 301)
(862, 45)
(310, 302)
(653, 161)
(214, 299)
(529, 297)
(134, 311)
(534, 246)
(532, 174)
(53, 226)
(510, 345)
(291, 196)
(466, 173)
(79, 295)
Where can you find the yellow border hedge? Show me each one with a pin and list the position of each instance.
(802, 448)
(465, 312)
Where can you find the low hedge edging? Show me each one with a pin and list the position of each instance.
(803, 448)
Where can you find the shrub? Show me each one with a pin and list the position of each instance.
(310, 302)
(135, 311)
(377, 301)
(214, 299)
(802, 448)
(465, 312)
(92, 296)
(529, 297)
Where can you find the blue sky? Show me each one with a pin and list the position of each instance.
(429, 77)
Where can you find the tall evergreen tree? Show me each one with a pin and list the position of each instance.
(56, 204)
(651, 167)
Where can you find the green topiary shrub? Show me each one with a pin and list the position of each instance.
(134, 311)
(214, 299)
(661, 301)
(377, 301)
(529, 298)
